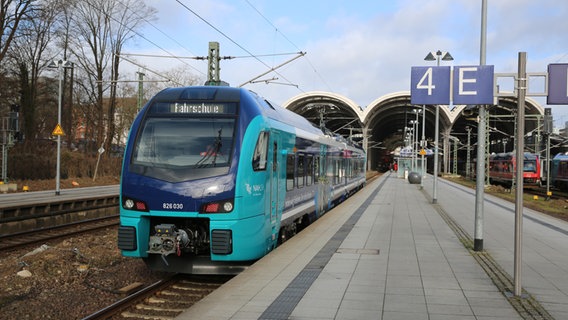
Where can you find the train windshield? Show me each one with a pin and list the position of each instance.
(529, 165)
(184, 148)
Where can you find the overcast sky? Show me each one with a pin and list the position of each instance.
(359, 49)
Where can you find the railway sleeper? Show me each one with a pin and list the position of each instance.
(161, 309)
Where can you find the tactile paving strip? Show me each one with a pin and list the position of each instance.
(286, 302)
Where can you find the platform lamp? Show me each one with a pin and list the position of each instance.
(60, 64)
(437, 56)
(417, 112)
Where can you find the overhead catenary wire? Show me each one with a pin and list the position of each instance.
(150, 70)
(181, 58)
(300, 54)
(289, 41)
(158, 29)
(145, 38)
(230, 39)
(204, 57)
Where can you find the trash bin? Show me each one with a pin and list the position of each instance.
(414, 178)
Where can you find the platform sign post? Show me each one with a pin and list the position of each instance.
(521, 90)
(442, 86)
(431, 85)
(557, 83)
(475, 86)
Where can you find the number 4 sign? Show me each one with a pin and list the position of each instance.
(430, 85)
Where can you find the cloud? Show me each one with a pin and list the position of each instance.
(361, 51)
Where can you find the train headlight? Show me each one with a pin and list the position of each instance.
(228, 206)
(223, 206)
(132, 204)
(129, 204)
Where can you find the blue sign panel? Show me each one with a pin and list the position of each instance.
(473, 85)
(557, 83)
(430, 85)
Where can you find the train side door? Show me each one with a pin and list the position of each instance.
(274, 183)
(324, 183)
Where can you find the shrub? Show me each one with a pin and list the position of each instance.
(38, 161)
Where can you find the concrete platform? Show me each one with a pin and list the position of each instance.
(388, 253)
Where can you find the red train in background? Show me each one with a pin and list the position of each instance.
(502, 169)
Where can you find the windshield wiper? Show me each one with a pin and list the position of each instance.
(210, 157)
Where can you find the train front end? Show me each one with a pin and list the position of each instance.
(179, 205)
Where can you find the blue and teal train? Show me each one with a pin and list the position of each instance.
(214, 178)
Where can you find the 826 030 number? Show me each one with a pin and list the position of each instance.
(172, 206)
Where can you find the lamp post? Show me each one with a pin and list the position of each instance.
(59, 65)
(423, 145)
(417, 111)
(468, 157)
(437, 56)
(411, 132)
(409, 136)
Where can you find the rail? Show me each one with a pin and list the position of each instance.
(21, 212)
(164, 299)
(16, 240)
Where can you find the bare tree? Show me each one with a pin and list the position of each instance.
(181, 75)
(90, 25)
(28, 52)
(11, 14)
(102, 27)
(127, 16)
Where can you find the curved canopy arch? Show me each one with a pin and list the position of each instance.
(381, 126)
(328, 110)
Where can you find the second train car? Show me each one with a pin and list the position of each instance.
(559, 171)
(502, 169)
(215, 177)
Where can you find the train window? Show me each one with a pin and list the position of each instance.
(300, 171)
(290, 162)
(332, 170)
(336, 172)
(309, 170)
(316, 169)
(260, 154)
(562, 169)
(529, 166)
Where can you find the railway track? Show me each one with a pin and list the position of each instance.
(541, 191)
(162, 300)
(28, 218)
(17, 240)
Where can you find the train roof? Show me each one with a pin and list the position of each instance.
(199, 93)
(299, 122)
(511, 155)
(271, 110)
(561, 156)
